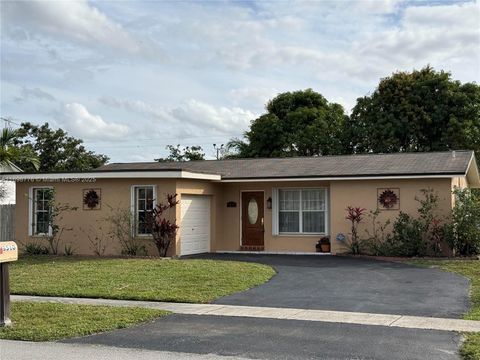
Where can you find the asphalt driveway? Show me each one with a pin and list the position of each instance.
(350, 284)
(315, 282)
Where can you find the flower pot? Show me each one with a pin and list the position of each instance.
(325, 248)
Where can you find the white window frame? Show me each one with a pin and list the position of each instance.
(133, 207)
(31, 212)
(276, 212)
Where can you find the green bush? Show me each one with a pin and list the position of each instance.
(35, 249)
(463, 232)
(408, 236)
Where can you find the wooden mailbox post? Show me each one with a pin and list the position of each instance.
(8, 253)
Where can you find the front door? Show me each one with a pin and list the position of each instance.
(252, 218)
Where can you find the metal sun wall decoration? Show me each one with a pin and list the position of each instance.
(388, 199)
(91, 199)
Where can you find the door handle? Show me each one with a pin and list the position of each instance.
(262, 221)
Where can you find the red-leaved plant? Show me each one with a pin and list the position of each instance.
(162, 229)
(355, 216)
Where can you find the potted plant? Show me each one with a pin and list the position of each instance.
(323, 245)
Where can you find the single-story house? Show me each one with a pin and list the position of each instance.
(282, 205)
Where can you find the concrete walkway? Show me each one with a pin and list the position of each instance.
(342, 317)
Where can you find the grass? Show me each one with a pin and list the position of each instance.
(196, 281)
(35, 321)
(470, 269)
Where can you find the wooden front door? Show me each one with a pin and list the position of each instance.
(252, 218)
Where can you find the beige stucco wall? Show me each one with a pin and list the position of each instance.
(230, 225)
(115, 193)
(225, 222)
(363, 193)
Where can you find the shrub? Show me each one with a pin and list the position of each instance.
(35, 249)
(407, 236)
(68, 250)
(55, 214)
(463, 232)
(355, 216)
(121, 225)
(378, 241)
(96, 238)
(163, 230)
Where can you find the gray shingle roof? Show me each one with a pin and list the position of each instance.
(434, 163)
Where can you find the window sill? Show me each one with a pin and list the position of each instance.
(301, 234)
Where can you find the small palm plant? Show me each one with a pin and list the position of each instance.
(10, 153)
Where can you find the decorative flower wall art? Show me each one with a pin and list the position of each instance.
(92, 199)
(388, 199)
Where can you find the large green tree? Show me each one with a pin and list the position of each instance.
(188, 153)
(55, 150)
(422, 110)
(299, 123)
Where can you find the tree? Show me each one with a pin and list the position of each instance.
(463, 232)
(55, 149)
(423, 110)
(12, 154)
(299, 123)
(188, 153)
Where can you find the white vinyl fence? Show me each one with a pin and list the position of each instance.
(7, 222)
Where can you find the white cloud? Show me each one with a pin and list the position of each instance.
(34, 93)
(80, 122)
(75, 20)
(135, 106)
(191, 117)
(222, 119)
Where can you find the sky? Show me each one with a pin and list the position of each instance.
(130, 77)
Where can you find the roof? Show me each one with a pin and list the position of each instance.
(337, 166)
(9, 167)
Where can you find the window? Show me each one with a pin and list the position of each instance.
(144, 197)
(302, 211)
(40, 204)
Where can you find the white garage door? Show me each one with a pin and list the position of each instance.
(195, 225)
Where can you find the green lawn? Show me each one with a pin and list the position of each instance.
(471, 270)
(197, 281)
(34, 321)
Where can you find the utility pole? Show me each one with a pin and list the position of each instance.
(218, 150)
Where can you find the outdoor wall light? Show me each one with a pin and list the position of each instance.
(269, 203)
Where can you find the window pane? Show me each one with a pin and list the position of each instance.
(288, 222)
(141, 205)
(313, 199)
(42, 228)
(149, 193)
(141, 193)
(289, 199)
(252, 211)
(141, 228)
(150, 204)
(42, 217)
(313, 222)
(39, 205)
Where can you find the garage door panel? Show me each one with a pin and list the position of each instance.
(195, 224)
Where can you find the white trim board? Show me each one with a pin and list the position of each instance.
(345, 178)
(112, 175)
(66, 177)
